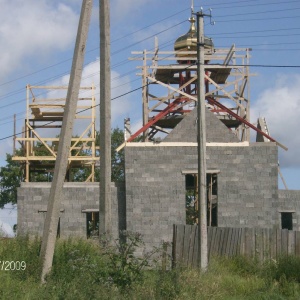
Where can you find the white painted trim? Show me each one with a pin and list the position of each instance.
(45, 210)
(185, 144)
(88, 210)
(195, 171)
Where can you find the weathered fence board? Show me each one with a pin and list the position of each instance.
(297, 243)
(262, 243)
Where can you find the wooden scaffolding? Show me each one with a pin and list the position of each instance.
(39, 142)
(226, 81)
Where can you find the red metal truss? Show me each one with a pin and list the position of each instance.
(170, 108)
(224, 108)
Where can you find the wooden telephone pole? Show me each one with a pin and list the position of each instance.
(53, 209)
(105, 121)
(202, 211)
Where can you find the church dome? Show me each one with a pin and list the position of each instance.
(188, 41)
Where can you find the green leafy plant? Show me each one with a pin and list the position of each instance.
(125, 267)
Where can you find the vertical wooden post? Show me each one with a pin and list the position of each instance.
(145, 95)
(14, 149)
(201, 145)
(61, 164)
(105, 121)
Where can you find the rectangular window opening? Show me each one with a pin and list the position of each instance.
(287, 220)
(212, 199)
(191, 185)
(92, 224)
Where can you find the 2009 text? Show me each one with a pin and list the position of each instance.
(7, 265)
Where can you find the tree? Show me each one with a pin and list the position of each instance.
(11, 177)
(117, 158)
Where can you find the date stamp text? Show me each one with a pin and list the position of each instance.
(11, 265)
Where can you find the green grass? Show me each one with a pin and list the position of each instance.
(82, 270)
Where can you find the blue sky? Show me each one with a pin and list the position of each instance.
(37, 39)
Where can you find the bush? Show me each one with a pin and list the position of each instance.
(286, 267)
(125, 267)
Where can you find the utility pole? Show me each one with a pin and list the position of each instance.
(14, 149)
(105, 227)
(53, 208)
(202, 211)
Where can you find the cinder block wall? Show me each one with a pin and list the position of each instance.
(289, 201)
(32, 207)
(155, 187)
(247, 184)
(216, 131)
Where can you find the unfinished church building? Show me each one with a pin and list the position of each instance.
(160, 187)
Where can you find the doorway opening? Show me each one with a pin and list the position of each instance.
(191, 198)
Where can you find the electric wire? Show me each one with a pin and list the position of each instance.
(94, 106)
(97, 48)
(139, 88)
(21, 77)
(259, 19)
(59, 63)
(114, 78)
(254, 31)
(250, 5)
(3, 97)
(257, 13)
(135, 43)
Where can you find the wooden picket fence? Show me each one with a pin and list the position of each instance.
(262, 243)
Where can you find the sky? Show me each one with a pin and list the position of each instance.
(37, 39)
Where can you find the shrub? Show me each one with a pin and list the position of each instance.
(125, 267)
(287, 267)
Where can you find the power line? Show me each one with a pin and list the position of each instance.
(259, 12)
(65, 73)
(223, 16)
(257, 36)
(117, 77)
(253, 31)
(91, 50)
(249, 5)
(120, 76)
(120, 62)
(134, 90)
(149, 26)
(94, 106)
(259, 19)
(58, 76)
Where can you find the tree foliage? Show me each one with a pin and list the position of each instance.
(11, 177)
(117, 158)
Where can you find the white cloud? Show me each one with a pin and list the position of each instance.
(33, 29)
(280, 105)
(121, 107)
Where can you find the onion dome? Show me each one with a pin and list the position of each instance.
(188, 41)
